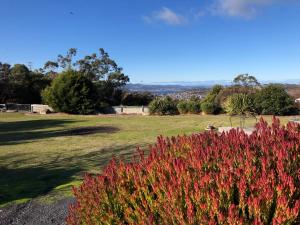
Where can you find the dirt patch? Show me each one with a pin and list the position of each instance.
(33, 213)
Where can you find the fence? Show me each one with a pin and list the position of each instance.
(43, 109)
(18, 107)
(141, 110)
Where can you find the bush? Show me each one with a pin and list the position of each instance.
(209, 107)
(71, 92)
(137, 98)
(194, 107)
(225, 93)
(163, 106)
(182, 107)
(274, 100)
(239, 104)
(208, 178)
(209, 104)
(189, 106)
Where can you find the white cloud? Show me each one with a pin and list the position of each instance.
(240, 8)
(166, 16)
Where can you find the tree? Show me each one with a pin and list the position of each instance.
(99, 68)
(136, 98)
(273, 100)
(96, 67)
(4, 82)
(18, 84)
(246, 80)
(49, 69)
(71, 92)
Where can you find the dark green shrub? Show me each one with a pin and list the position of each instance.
(163, 106)
(136, 98)
(274, 100)
(71, 92)
(209, 104)
(209, 107)
(189, 106)
(194, 107)
(182, 107)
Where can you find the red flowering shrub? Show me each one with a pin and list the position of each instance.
(205, 178)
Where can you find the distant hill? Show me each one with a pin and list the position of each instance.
(161, 89)
(166, 88)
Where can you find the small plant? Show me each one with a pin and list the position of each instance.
(207, 178)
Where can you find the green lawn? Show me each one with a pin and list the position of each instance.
(42, 156)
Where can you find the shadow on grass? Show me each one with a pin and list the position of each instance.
(31, 125)
(32, 182)
(25, 131)
(26, 183)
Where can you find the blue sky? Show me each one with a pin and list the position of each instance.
(160, 40)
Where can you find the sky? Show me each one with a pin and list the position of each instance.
(159, 40)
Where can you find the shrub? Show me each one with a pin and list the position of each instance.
(189, 106)
(239, 104)
(225, 93)
(274, 100)
(163, 106)
(207, 178)
(209, 107)
(182, 107)
(209, 104)
(137, 98)
(71, 92)
(194, 107)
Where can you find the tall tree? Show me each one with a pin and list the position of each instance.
(96, 67)
(4, 82)
(246, 80)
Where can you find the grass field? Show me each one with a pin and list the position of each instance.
(42, 156)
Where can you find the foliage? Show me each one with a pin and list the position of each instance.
(163, 106)
(136, 98)
(182, 107)
(226, 92)
(209, 107)
(18, 84)
(96, 67)
(189, 106)
(71, 92)
(209, 104)
(273, 100)
(99, 68)
(207, 178)
(28, 134)
(245, 80)
(239, 104)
